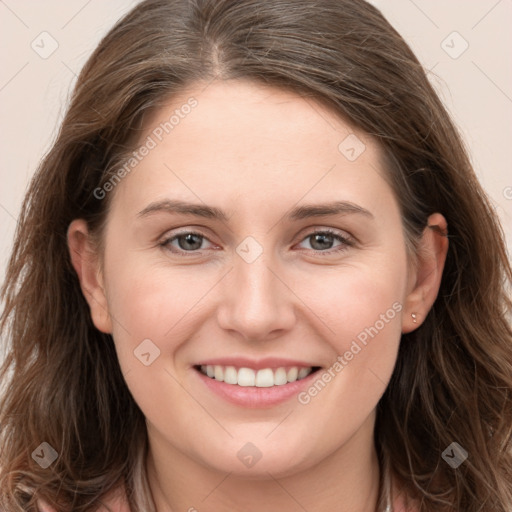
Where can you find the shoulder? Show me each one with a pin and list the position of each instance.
(115, 501)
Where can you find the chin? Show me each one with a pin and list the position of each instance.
(255, 460)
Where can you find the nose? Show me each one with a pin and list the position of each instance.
(257, 304)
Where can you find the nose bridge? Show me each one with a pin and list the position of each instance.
(256, 302)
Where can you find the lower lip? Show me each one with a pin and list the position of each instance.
(253, 397)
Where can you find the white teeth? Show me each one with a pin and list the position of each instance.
(303, 372)
(280, 377)
(219, 373)
(230, 375)
(246, 377)
(292, 374)
(264, 378)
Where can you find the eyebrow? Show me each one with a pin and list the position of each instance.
(211, 212)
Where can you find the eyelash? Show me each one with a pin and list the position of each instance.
(346, 242)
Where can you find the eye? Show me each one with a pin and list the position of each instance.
(322, 240)
(188, 241)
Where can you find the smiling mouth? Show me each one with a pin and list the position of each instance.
(263, 378)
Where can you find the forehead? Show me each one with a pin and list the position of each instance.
(252, 114)
(251, 142)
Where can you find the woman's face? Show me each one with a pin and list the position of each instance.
(253, 287)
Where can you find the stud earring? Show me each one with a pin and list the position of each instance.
(414, 318)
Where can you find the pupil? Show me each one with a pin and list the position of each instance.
(189, 240)
(323, 239)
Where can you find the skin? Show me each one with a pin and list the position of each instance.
(257, 152)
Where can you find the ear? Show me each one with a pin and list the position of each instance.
(425, 278)
(85, 261)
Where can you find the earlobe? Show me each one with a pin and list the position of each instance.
(432, 251)
(85, 261)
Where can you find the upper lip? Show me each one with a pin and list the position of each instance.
(268, 362)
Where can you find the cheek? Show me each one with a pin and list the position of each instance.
(362, 308)
(356, 301)
(366, 305)
(152, 309)
(151, 302)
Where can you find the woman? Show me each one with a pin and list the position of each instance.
(256, 272)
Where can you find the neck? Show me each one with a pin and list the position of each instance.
(346, 481)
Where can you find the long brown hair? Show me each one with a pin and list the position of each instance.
(61, 378)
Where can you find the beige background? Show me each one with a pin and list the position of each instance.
(476, 86)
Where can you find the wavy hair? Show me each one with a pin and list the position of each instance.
(61, 380)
